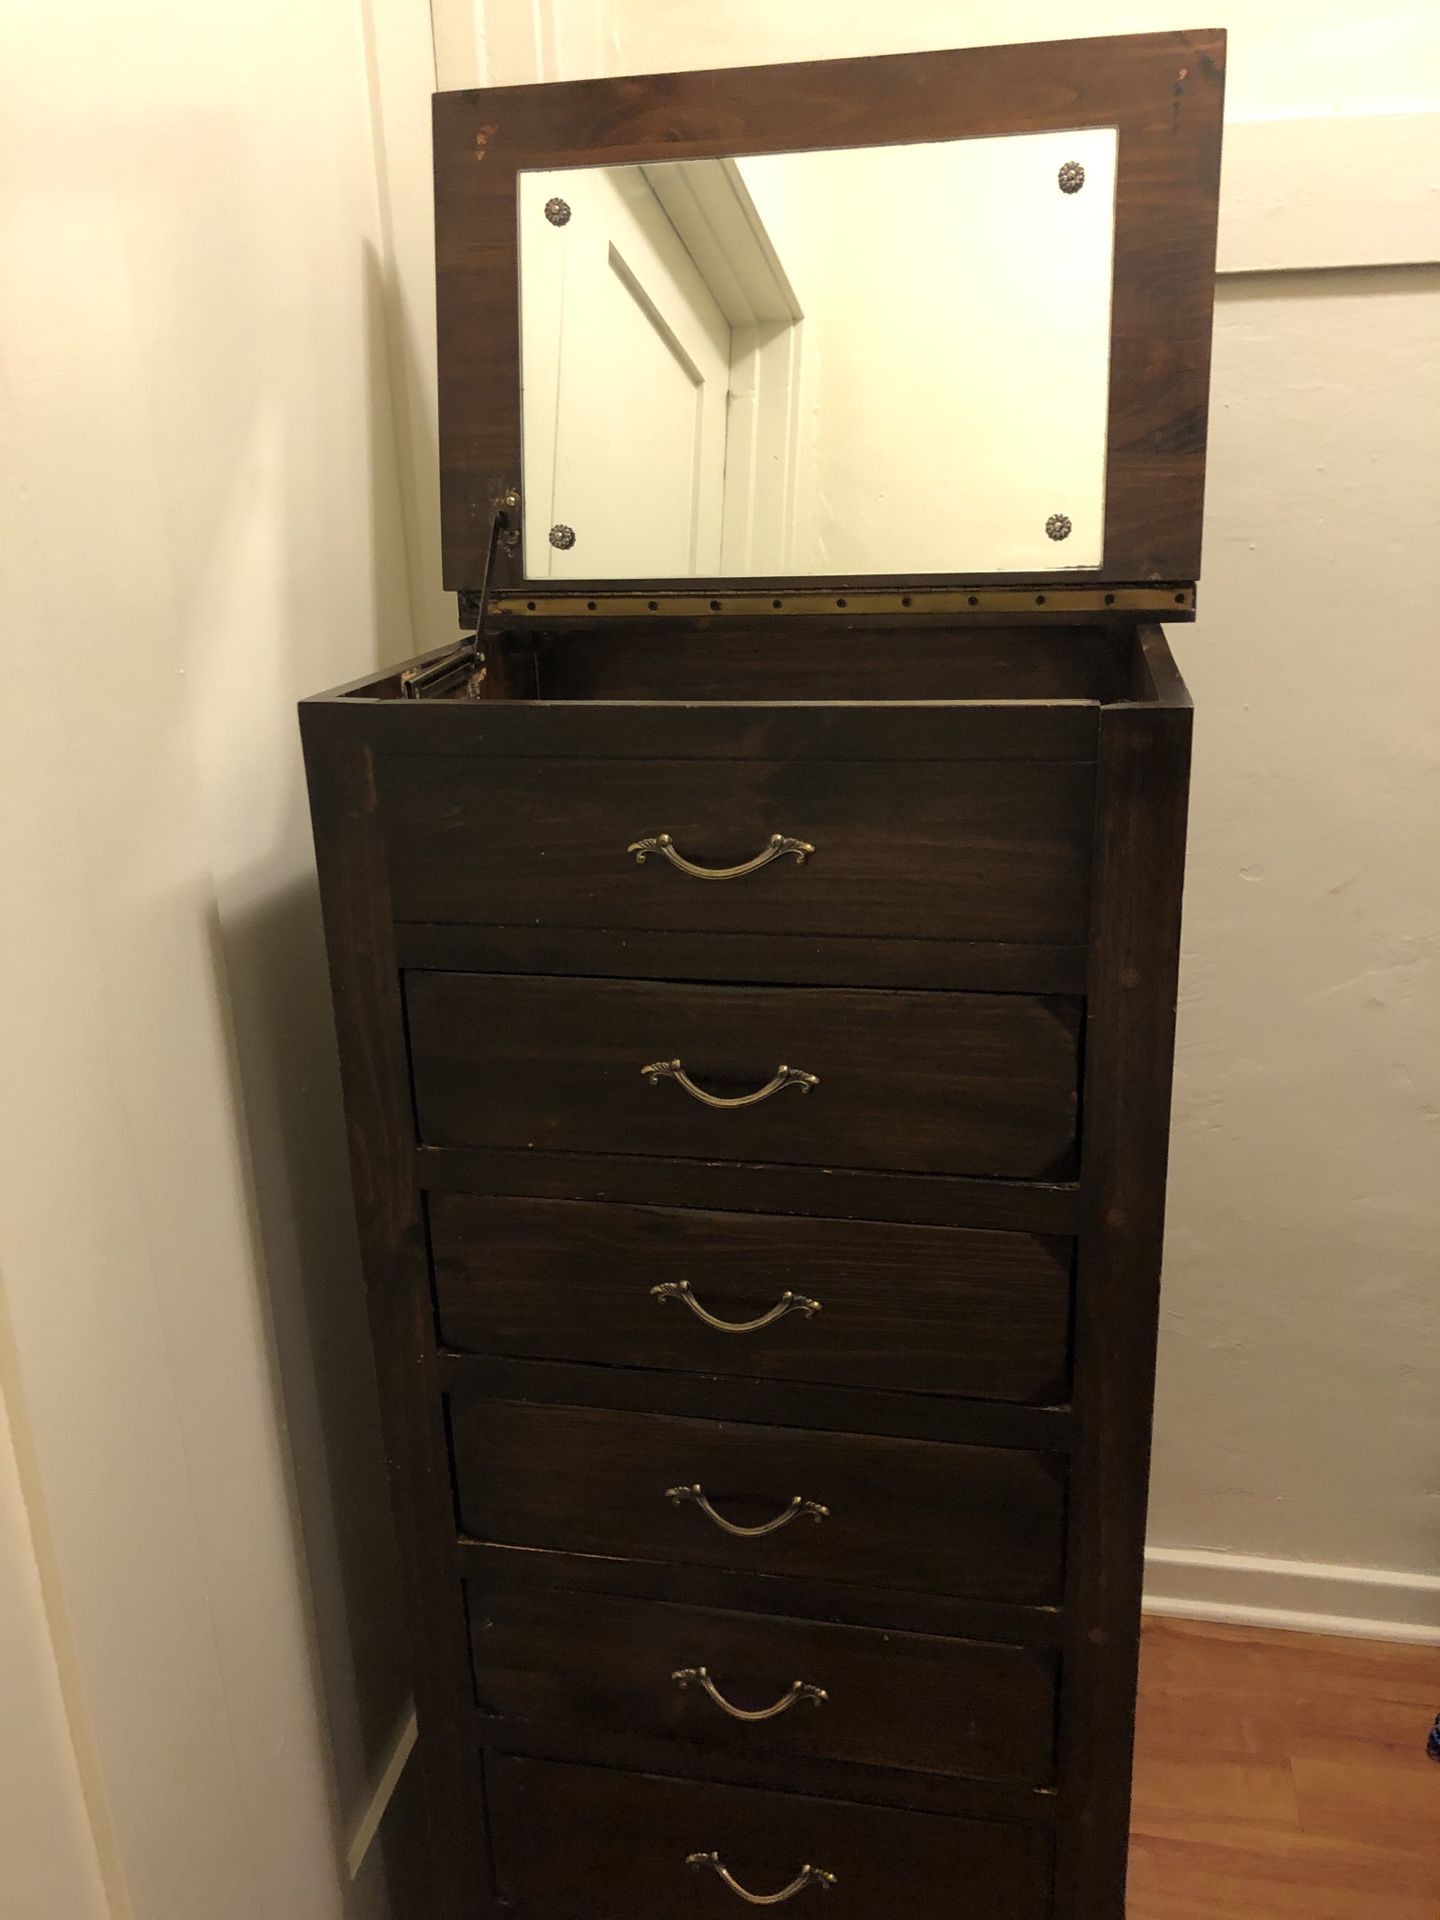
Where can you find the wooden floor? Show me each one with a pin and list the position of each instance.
(1283, 1776)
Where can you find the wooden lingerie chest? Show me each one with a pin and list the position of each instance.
(756, 1035)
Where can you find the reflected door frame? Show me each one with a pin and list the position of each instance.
(772, 402)
(770, 411)
(614, 303)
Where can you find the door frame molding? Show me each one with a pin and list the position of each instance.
(711, 208)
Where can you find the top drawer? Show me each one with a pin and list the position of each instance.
(966, 850)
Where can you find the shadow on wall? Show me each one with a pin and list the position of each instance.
(405, 408)
(269, 958)
(271, 961)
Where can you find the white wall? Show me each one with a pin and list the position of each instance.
(945, 445)
(1300, 1362)
(1299, 1412)
(1336, 58)
(52, 1863)
(202, 522)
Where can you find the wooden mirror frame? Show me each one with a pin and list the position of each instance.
(1162, 92)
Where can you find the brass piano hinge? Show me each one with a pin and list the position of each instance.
(1173, 599)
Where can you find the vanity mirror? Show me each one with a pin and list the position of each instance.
(871, 322)
(717, 381)
(755, 951)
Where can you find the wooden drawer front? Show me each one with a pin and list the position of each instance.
(890, 1699)
(933, 1517)
(591, 1843)
(993, 850)
(922, 1082)
(928, 1309)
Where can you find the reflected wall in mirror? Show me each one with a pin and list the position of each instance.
(878, 360)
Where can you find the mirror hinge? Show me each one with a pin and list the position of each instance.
(468, 659)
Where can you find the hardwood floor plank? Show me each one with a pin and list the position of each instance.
(1283, 1776)
(1186, 1883)
(1226, 1796)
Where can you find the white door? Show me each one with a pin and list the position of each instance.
(625, 375)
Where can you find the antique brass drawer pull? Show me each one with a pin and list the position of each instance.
(784, 1076)
(802, 1690)
(810, 1508)
(807, 1877)
(776, 847)
(787, 1303)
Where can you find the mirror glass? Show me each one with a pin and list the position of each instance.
(869, 361)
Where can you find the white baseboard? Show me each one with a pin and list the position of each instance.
(368, 1825)
(1300, 1596)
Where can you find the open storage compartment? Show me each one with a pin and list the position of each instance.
(796, 660)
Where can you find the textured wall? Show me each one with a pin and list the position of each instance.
(1300, 1384)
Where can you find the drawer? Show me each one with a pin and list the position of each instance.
(984, 850)
(926, 1515)
(592, 1843)
(857, 1694)
(921, 1082)
(923, 1309)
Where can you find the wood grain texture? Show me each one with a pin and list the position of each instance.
(1026, 1206)
(838, 730)
(1139, 863)
(592, 1742)
(1283, 1776)
(577, 1841)
(1163, 93)
(793, 1403)
(978, 851)
(891, 1699)
(987, 966)
(926, 1082)
(950, 1616)
(923, 1310)
(801, 658)
(903, 1513)
(448, 1878)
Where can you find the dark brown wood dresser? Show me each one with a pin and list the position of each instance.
(756, 1000)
